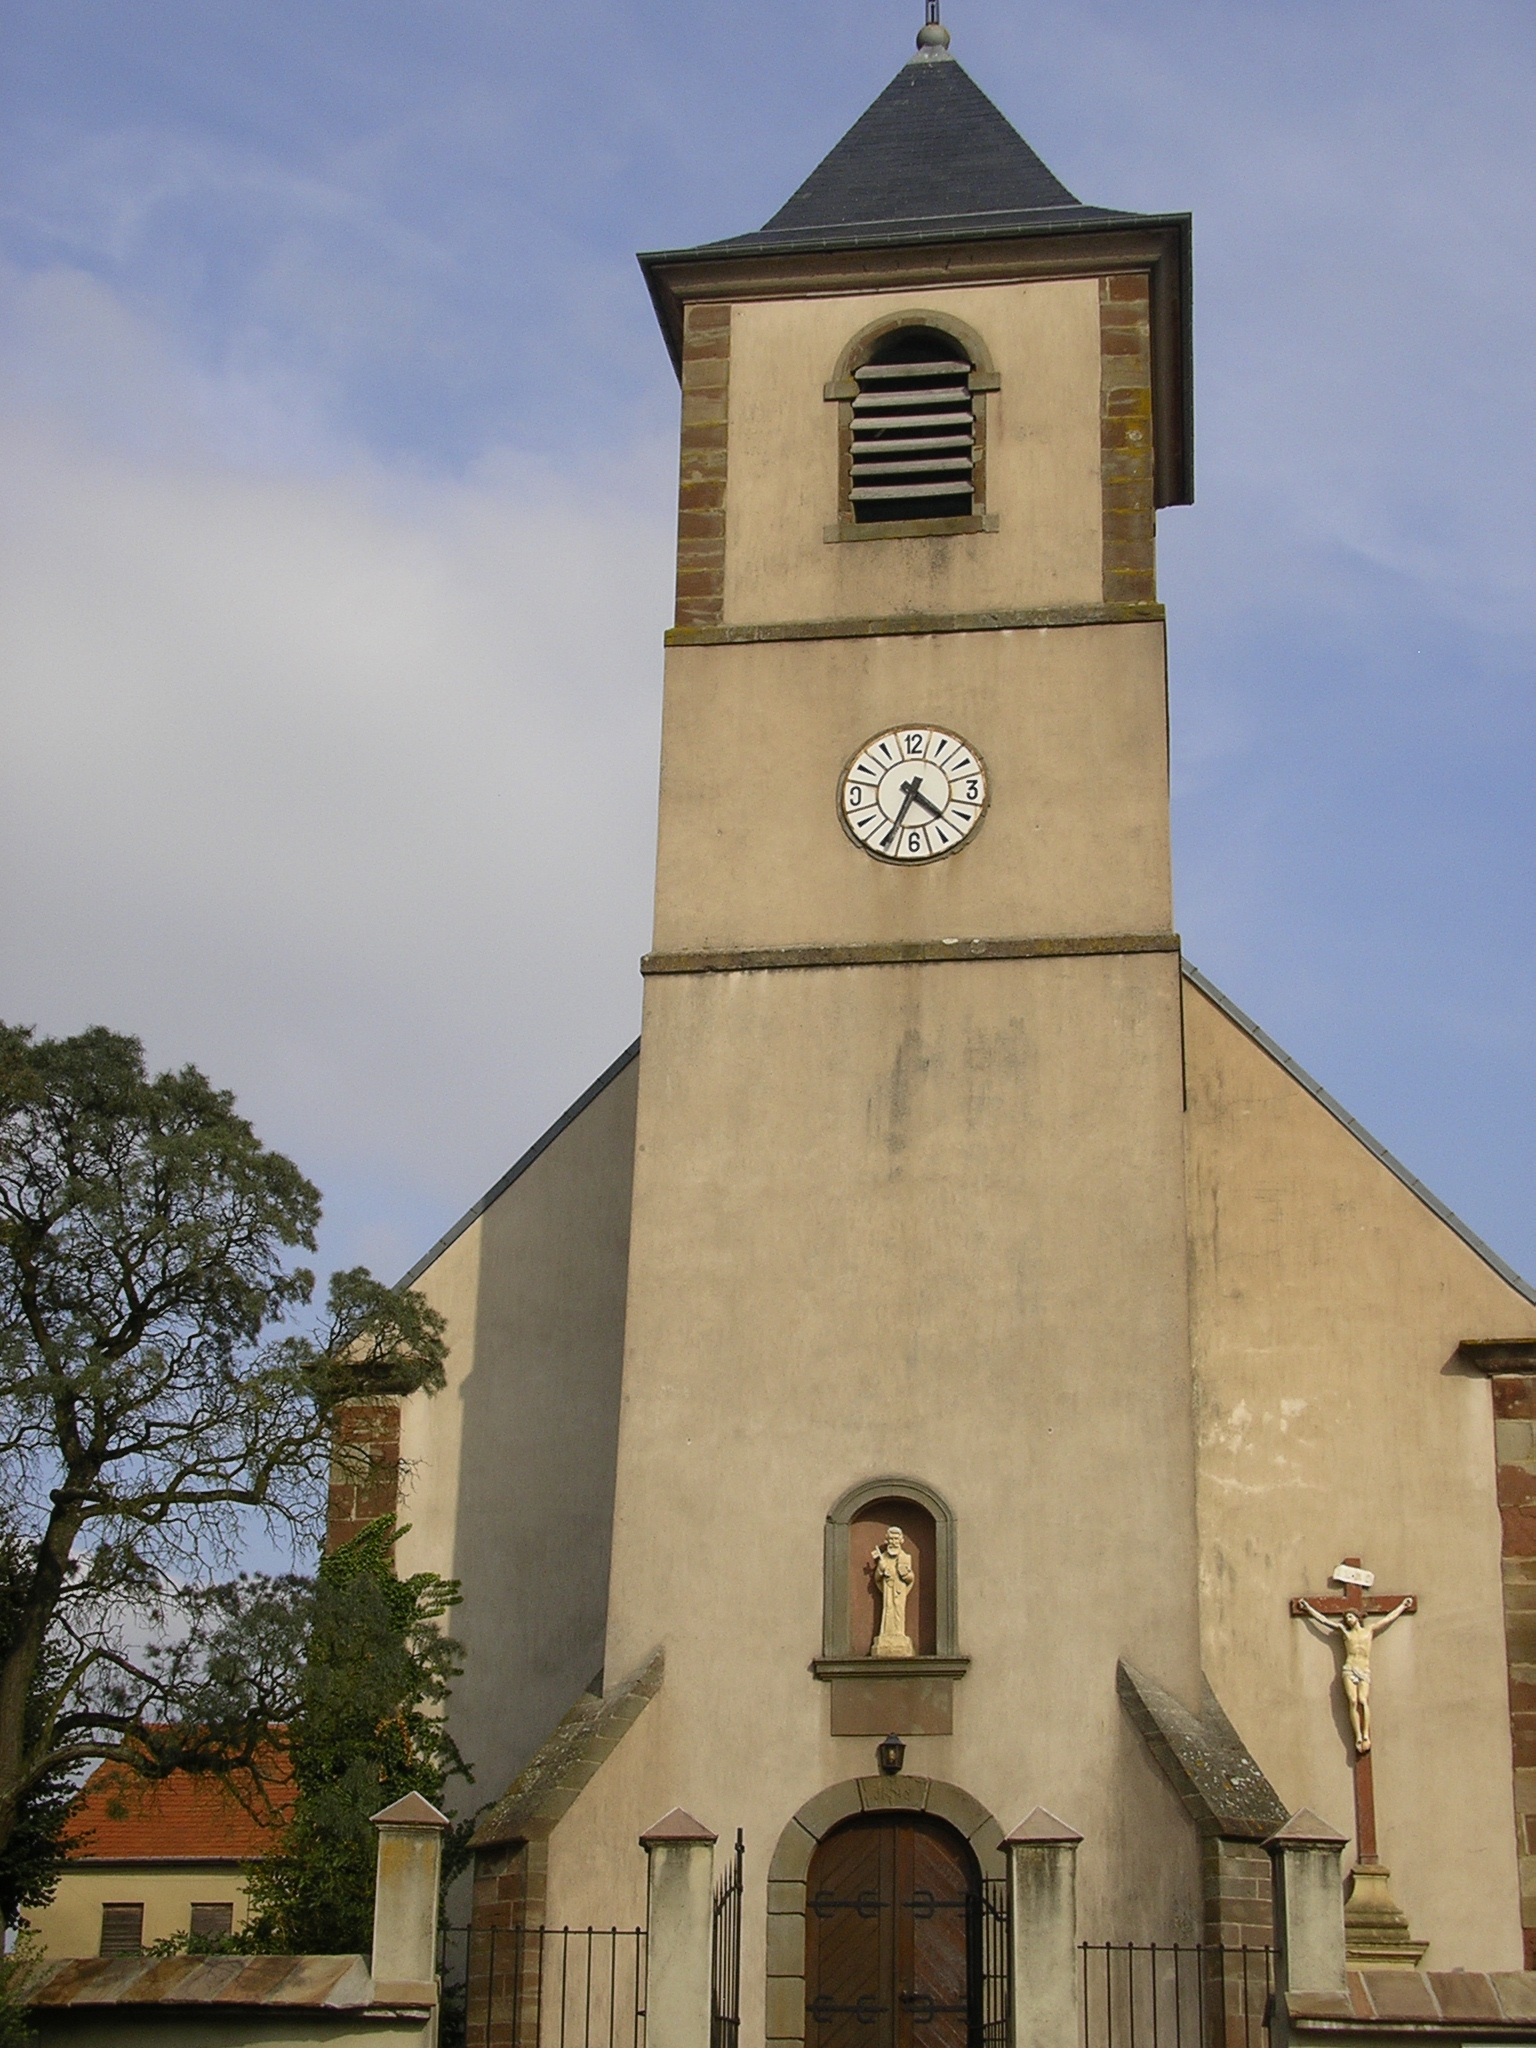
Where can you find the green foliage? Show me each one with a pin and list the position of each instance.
(368, 1730)
(148, 1404)
(15, 2013)
(32, 1858)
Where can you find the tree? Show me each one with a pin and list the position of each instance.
(366, 1733)
(31, 1861)
(151, 1399)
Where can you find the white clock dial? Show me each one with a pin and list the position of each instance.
(914, 793)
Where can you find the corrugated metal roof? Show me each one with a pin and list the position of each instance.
(331, 1983)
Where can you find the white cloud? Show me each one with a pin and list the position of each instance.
(341, 786)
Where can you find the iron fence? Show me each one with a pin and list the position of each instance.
(1199, 1995)
(543, 1987)
(725, 1955)
(992, 1945)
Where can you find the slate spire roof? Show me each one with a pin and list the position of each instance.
(933, 164)
(932, 157)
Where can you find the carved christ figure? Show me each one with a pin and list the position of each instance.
(894, 1574)
(1358, 1635)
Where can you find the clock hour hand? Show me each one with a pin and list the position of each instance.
(915, 788)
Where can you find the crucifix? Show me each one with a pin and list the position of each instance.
(1358, 1615)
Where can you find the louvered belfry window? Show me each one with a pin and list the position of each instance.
(913, 449)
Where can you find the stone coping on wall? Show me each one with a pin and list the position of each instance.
(1394, 2004)
(1035, 618)
(906, 953)
(548, 1786)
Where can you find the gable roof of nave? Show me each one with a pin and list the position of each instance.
(1357, 1130)
(520, 1166)
(1192, 974)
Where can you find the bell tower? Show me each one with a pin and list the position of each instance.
(908, 1234)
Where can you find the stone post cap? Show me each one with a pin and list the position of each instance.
(676, 1826)
(1305, 1831)
(411, 1812)
(1041, 1826)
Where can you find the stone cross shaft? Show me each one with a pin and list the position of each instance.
(1365, 1601)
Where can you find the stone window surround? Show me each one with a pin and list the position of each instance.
(785, 1991)
(842, 389)
(836, 1657)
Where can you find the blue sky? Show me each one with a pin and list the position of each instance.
(338, 447)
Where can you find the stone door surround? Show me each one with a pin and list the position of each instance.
(785, 2000)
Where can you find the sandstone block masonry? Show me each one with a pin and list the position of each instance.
(365, 1468)
(1125, 438)
(706, 373)
(1514, 1411)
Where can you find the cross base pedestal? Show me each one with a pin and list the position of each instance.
(1376, 1931)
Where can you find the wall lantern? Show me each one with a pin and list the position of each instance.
(892, 1754)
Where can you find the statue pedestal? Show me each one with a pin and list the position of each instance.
(1376, 1931)
(891, 1646)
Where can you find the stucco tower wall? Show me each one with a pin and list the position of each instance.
(924, 1220)
(1327, 1303)
(1043, 459)
(1071, 723)
(923, 1217)
(508, 1472)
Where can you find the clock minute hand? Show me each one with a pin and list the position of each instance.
(908, 791)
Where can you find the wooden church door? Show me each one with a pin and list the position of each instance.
(892, 1937)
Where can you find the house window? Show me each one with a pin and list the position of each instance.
(212, 1917)
(122, 1929)
(910, 392)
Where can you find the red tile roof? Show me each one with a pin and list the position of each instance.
(126, 1819)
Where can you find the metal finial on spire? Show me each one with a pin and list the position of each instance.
(933, 36)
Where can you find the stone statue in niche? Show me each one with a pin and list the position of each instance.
(893, 1573)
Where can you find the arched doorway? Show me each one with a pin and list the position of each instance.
(893, 1936)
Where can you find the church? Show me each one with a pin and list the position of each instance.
(955, 1370)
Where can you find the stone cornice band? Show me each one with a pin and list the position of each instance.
(918, 622)
(904, 953)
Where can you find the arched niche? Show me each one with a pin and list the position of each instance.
(848, 1610)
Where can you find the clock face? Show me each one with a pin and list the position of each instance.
(914, 793)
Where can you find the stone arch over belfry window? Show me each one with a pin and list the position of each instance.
(855, 1524)
(911, 395)
(785, 1990)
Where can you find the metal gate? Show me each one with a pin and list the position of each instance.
(725, 1956)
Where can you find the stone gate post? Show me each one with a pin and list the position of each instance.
(1309, 1914)
(405, 1898)
(680, 1902)
(1042, 1932)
